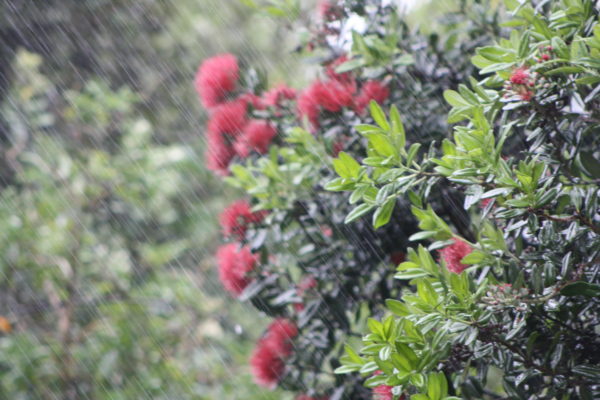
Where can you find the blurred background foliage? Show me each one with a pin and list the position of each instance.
(108, 218)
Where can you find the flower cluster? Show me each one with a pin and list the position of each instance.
(268, 358)
(216, 78)
(235, 263)
(236, 217)
(230, 131)
(453, 254)
(383, 392)
(545, 54)
(337, 92)
(244, 123)
(520, 84)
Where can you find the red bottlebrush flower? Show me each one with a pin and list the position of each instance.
(371, 90)
(334, 95)
(520, 76)
(331, 95)
(235, 218)
(545, 57)
(278, 94)
(484, 203)
(257, 136)
(397, 257)
(267, 360)
(234, 264)
(454, 253)
(383, 392)
(251, 99)
(215, 78)
(280, 333)
(229, 118)
(218, 153)
(266, 365)
(308, 106)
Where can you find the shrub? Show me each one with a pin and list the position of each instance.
(314, 269)
(518, 297)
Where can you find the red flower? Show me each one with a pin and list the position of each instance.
(278, 94)
(257, 136)
(308, 106)
(371, 90)
(383, 392)
(234, 219)
(520, 76)
(333, 95)
(454, 253)
(216, 77)
(267, 360)
(484, 202)
(256, 102)
(234, 264)
(218, 153)
(229, 118)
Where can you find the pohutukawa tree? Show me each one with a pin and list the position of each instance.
(500, 298)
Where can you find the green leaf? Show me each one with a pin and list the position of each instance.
(419, 396)
(397, 127)
(421, 235)
(378, 115)
(474, 257)
(455, 99)
(397, 307)
(404, 59)
(345, 369)
(564, 71)
(588, 371)
(581, 289)
(411, 274)
(350, 65)
(382, 214)
(352, 355)
(358, 212)
(346, 166)
(496, 192)
(524, 46)
(437, 386)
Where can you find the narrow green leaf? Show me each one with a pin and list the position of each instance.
(378, 115)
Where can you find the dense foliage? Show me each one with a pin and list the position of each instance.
(507, 205)
(519, 298)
